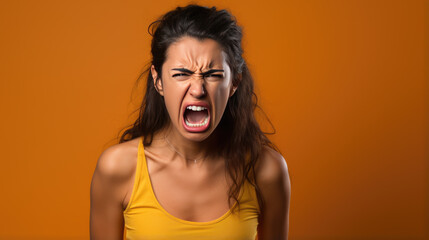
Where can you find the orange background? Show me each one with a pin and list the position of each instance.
(344, 82)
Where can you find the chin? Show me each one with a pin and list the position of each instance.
(196, 136)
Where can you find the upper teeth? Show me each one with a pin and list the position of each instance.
(196, 108)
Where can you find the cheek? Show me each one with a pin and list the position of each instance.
(225, 89)
(221, 98)
(173, 95)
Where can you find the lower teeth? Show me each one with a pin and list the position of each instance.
(196, 124)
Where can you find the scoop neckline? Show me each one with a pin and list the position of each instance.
(158, 204)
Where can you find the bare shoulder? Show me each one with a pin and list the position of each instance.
(109, 187)
(271, 168)
(118, 161)
(274, 183)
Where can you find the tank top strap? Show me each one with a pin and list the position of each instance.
(142, 189)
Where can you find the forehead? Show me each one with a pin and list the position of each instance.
(194, 53)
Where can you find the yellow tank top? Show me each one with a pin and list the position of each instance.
(146, 219)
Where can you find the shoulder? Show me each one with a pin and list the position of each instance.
(273, 181)
(118, 161)
(271, 168)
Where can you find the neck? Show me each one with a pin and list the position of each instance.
(191, 152)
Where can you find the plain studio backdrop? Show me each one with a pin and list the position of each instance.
(345, 84)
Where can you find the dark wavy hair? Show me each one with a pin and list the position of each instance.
(242, 139)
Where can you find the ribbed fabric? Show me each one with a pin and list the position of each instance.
(146, 219)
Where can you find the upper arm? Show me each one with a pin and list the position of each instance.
(108, 189)
(274, 183)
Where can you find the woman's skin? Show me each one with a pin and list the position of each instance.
(189, 190)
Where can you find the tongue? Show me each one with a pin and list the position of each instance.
(195, 117)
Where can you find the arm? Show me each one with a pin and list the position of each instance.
(274, 183)
(108, 190)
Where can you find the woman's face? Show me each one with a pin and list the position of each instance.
(196, 83)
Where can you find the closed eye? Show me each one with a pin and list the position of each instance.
(214, 75)
(180, 74)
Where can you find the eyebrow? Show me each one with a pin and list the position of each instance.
(204, 73)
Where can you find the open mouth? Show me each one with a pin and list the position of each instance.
(196, 118)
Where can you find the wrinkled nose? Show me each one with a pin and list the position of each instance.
(197, 89)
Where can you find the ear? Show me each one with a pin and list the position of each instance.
(235, 85)
(157, 83)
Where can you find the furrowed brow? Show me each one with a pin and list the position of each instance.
(212, 71)
(183, 70)
(204, 73)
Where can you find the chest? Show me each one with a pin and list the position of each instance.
(176, 206)
(187, 205)
(190, 194)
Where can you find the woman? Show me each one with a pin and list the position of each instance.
(195, 164)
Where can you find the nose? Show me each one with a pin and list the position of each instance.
(197, 89)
